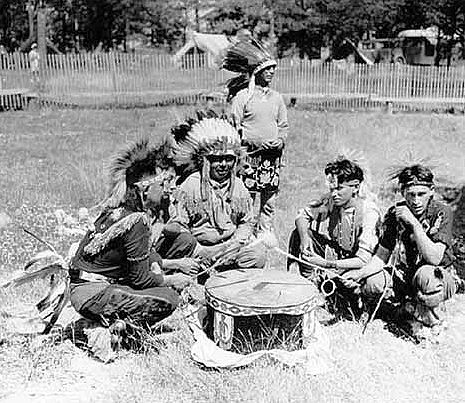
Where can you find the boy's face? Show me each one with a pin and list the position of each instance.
(341, 192)
(417, 198)
(221, 167)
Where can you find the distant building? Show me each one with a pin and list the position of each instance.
(208, 49)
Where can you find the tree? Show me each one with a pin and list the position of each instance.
(13, 23)
(90, 23)
(308, 24)
(449, 17)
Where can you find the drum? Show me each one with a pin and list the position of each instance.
(261, 170)
(255, 309)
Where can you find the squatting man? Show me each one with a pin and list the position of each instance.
(415, 238)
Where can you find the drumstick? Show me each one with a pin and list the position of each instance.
(306, 263)
(262, 284)
(269, 240)
(220, 258)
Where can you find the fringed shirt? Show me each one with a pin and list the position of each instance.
(216, 216)
(118, 248)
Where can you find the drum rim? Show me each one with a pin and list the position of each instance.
(265, 310)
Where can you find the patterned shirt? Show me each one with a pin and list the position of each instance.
(261, 118)
(437, 222)
(214, 218)
(352, 229)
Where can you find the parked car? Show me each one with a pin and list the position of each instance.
(412, 46)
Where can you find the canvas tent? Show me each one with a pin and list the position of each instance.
(210, 46)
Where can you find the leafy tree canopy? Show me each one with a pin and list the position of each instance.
(295, 26)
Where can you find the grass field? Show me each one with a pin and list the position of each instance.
(53, 159)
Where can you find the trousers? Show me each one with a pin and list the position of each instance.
(104, 302)
(428, 288)
(176, 245)
(266, 210)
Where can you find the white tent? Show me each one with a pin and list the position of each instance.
(212, 45)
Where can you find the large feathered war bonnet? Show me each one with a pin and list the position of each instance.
(247, 57)
(139, 165)
(203, 136)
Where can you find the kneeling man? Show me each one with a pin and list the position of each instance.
(114, 274)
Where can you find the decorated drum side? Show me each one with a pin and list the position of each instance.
(261, 170)
(254, 309)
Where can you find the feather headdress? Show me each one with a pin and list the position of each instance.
(131, 164)
(205, 135)
(247, 57)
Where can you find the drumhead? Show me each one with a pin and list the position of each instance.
(256, 291)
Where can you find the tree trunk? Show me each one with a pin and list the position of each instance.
(32, 32)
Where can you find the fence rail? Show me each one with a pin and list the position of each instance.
(96, 79)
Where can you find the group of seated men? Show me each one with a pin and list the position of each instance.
(124, 269)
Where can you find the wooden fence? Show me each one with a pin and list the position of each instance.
(116, 79)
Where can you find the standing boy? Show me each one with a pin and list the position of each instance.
(260, 115)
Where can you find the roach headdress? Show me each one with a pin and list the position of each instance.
(133, 163)
(413, 170)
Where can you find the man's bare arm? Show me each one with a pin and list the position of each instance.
(432, 252)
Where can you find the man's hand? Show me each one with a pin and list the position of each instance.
(306, 247)
(187, 265)
(351, 278)
(178, 281)
(404, 214)
(155, 268)
(314, 259)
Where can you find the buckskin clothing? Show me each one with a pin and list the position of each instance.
(214, 218)
(117, 249)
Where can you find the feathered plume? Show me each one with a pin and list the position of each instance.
(246, 57)
(407, 160)
(42, 265)
(236, 84)
(359, 158)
